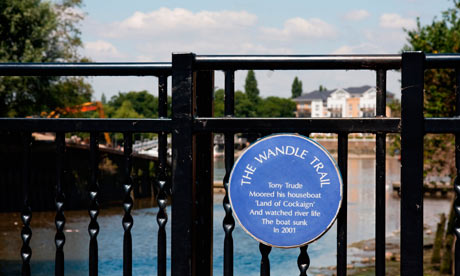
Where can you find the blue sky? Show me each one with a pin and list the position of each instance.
(141, 30)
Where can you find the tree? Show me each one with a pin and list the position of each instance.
(442, 35)
(276, 107)
(126, 110)
(219, 102)
(142, 103)
(103, 99)
(39, 31)
(322, 88)
(296, 88)
(250, 87)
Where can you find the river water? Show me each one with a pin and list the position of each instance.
(361, 224)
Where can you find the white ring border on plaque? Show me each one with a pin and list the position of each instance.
(339, 175)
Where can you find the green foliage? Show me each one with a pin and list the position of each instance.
(39, 31)
(219, 102)
(250, 87)
(126, 110)
(269, 107)
(276, 107)
(322, 88)
(141, 102)
(244, 106)
(103, 99)
(296, 88)
(441, 36)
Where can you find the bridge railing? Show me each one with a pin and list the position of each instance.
(192, 126)
(162, 126)
(193, 83)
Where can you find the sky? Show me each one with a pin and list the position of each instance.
(151, 30)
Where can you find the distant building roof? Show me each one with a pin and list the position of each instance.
(323, 95)
(358, 90)
(314, 95)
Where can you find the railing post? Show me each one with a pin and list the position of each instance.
(183, 236)
(204, 175)
(412, 131)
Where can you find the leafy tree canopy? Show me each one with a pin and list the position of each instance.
(441, 36)
(296, 88)
(276, 107)
(268, 107)
(39, 31)
(142, 103)
(250, 86)
(126, 110)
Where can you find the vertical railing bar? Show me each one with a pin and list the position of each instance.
(412, 132)
(204, 176)
(163, 96)
(183, 236)
(457, 179)
(59, 220)
(265, 261)
(380, 159)
(303, 261)
(26, 214)
(229, 221)
(93, 187)
(162, 197)
(342, 216)
(127, 204)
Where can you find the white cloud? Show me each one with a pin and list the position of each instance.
(299, 28)
(363, 48)
(101, 50)
(180, 20)
(356, 15)
(396, 21)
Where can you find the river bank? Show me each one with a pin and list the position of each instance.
(365, 252)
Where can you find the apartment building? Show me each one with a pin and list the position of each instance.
(341, 102)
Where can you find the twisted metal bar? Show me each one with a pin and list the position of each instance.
(303, 261)
(93, 187)
(127, 205)
(59, 220)
(162, 196)
(228, 222)
(26, 214)
(265, 261)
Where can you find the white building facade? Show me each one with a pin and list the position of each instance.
(337, 103)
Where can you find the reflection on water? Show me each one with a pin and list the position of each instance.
(361, 223)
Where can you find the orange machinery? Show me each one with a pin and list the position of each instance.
(85, 107)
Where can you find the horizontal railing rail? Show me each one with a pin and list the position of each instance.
(191, 126)
(95, 127)
(326, 125)
(86, 125)
(298, 62)
(86, 69)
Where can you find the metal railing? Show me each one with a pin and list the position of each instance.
(162, 126)
(192, 126)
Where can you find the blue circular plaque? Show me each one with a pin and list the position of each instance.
(285, 190)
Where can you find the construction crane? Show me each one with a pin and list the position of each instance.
(85, 107)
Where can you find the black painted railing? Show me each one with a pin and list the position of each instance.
(192, 125)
